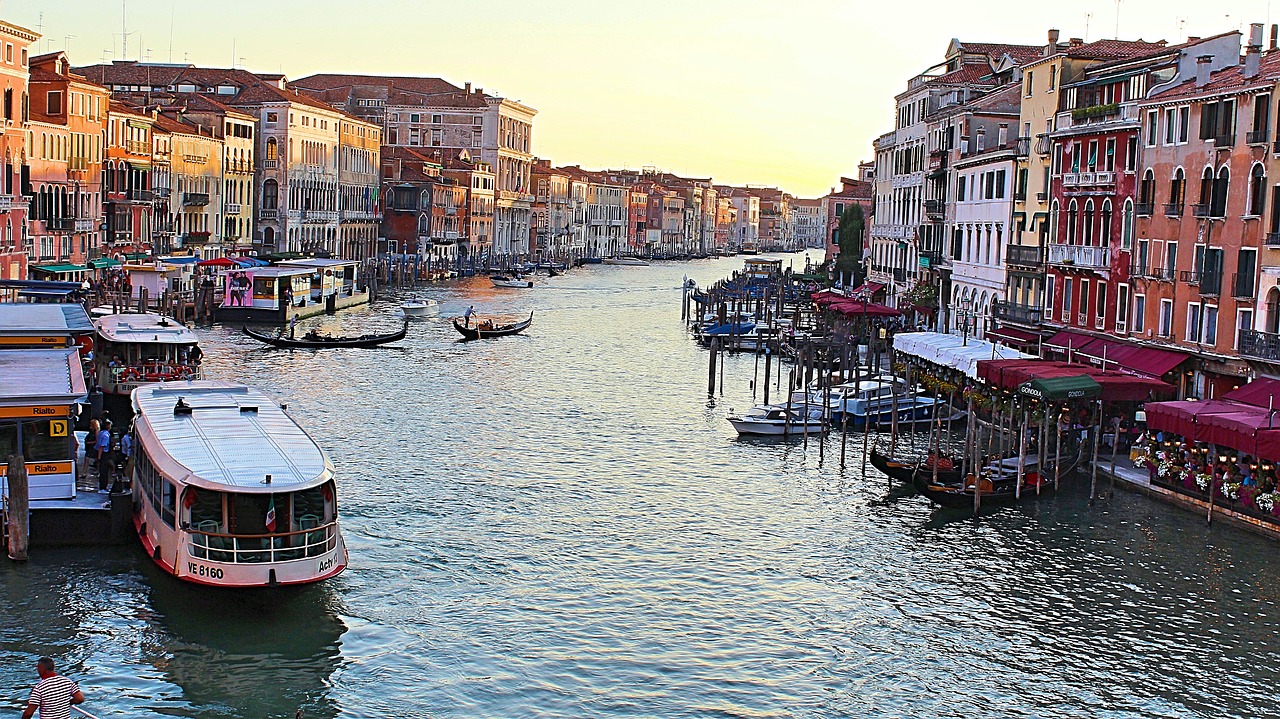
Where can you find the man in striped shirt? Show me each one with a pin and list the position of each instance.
(53, 695)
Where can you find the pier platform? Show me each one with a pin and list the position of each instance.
(1139, 480)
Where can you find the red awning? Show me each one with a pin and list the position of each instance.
(1065, 340)
(1185, 417)
(858, 308)
(219, 262)
(1262, 392)
(1149, 361)
(867, 289)
(1116, 386)
(1014, 336)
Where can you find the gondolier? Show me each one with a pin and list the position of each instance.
(53, 695)
(466, 316)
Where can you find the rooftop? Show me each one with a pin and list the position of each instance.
(37, 376)
(23, 320)
(144, 328)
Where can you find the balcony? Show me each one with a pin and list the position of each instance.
(1144, 209)
(1243, 287)
(270, 164)
(1019, 195)
(268, 214)
(195, 199)
(1260, 345)
(1070, 179)
(935, 208)
(1190, 277)
(1022, 147)
(1257, 137)
(6, 203)
(1028, 255)
(1104, 178)
(1085, 179)
(1043, 145)
(85, 225)
(1226, 139)
(1200, 209)
(899, 275)
(1162, 274)
(1095, 258)
(1272, 239)
(1173, 209)
(231, 208)
(1012, 312)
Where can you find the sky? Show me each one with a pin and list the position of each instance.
(788, 93)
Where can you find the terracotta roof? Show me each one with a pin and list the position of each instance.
(1115, 49)
(457, 99)
(1226, 80)
(966, 73)
(995, 50)
(418, 85)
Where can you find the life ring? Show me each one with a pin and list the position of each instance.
(129, 375)
(185, 373)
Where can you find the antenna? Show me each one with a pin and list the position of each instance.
(172, 9)
(1087, 16)
(1118, 19)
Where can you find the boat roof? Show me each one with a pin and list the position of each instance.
(144, 328)
(231, 440)
(21, 319)
(318, 262)
(53, 376)
(278, 271)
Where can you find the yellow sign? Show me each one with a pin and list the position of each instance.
(57, 428)
(40, 341)
(18, 412)
(42, 468)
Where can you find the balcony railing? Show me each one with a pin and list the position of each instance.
(1042, 144)
(934, 207)
(1012, 312)
(195, 199)
(1190, 277)
(85, 225)
(1019, 195)
(1024, 255)
(1272, 239)
(1144, 209)
(1226, 139)
(1162, 274)
(230, 208)
(1104, 177)
(1260, 345)
(1173, 209)
(1022, 147)
(6, 203)
(270, 164)
(268, 214)
(1200, 209)
(1257, 137)
(1080, 256)
(1243, 287)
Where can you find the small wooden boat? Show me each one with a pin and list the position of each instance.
(480, 331)
(510, 281)
(997, 488)
(904, 471)
(316, 340)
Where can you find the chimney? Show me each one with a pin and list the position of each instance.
(1204, 64)
(1275, 31)
(467, 88)
(1253, 55)
(1075, 42)
(1052, 47)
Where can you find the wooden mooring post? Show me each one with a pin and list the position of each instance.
(18, 509)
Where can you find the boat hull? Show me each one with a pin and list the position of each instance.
(329, 343)
(767, 429)
(475, 333)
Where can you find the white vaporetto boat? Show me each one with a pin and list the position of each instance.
(229, 491)
(419, 308)
(625, 261)
(778, 420)
(142, 348)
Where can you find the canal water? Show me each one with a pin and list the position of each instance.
(563, 525)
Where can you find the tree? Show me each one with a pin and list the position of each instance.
(849, 239)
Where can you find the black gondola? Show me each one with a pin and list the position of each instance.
(315, 340)
(905, 471)
(999, 491)
(478, 333)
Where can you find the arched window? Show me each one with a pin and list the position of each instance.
(424, 200)
(1126, 228)
(1220, 186)
(1053, 221)
(273, 149)
(1257, 190)
(1206, 191)
(424, 225)
(1073, 221)
(1088, 222)
(1147, 189)
(270, 194)
(1273, 310)
(1177, 193)
(269, 236)
(1104, 234)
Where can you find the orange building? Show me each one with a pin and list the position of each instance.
(126, 180)
(14, 48)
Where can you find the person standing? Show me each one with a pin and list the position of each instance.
(102, 446)
(466, 316)
(53, 695)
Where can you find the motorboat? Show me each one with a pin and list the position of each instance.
(419, 308)
(511, 281)
(625, 261)
(138, 348)
(778, 420)
(229, 490)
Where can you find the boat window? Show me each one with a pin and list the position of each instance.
(250, 515)
(308, 509)
(38, 445)
(168, 502)
(206, 510)
(8, 440)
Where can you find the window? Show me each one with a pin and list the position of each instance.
(1193, 322)
(272, 118)
(1210, 325)
(1122, 309)
(1171, 259)
(1030, 82)
(1088, 222)
(1178, 189)
(1246, 269)
(1257, 191)
(436, 137)
(1166, 318)
(1244, 322)
(1147, 188)
(1275, 210)
(1000, 179)
(1073, 218)
(1153, 125)
(415, 117)
(1109, 159)
(1261, 116)
(1206, 188)
(1084, 300)
(39, 444)
(960, 186)
(1104, 233)
(1139, 313)
(1093, 155)
(270, 194)
(1053, 77)
(1170, 126)
(54, 102)
(1066, 298)
(1220, 186)
(1048, 292)
(1131, 154)
(477, 122)
(436, 119)
(1126, 225)
(1101, 306)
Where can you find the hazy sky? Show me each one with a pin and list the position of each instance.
(787, 93)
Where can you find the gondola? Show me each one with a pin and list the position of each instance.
(318, 341)
(905, 471)
(1000, 491)
(476, 333)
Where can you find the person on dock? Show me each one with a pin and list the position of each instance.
(466, 316)
(53, 695)
(102, 447)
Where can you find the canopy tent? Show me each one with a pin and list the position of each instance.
(1057, 389)
(1262, 392)
(245, 261)
(1015, 336)
(952, 350)
(62, 269)
(103, 262)
(218, 262)
(1111, 354)
(860, 308)
(1116, 386)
